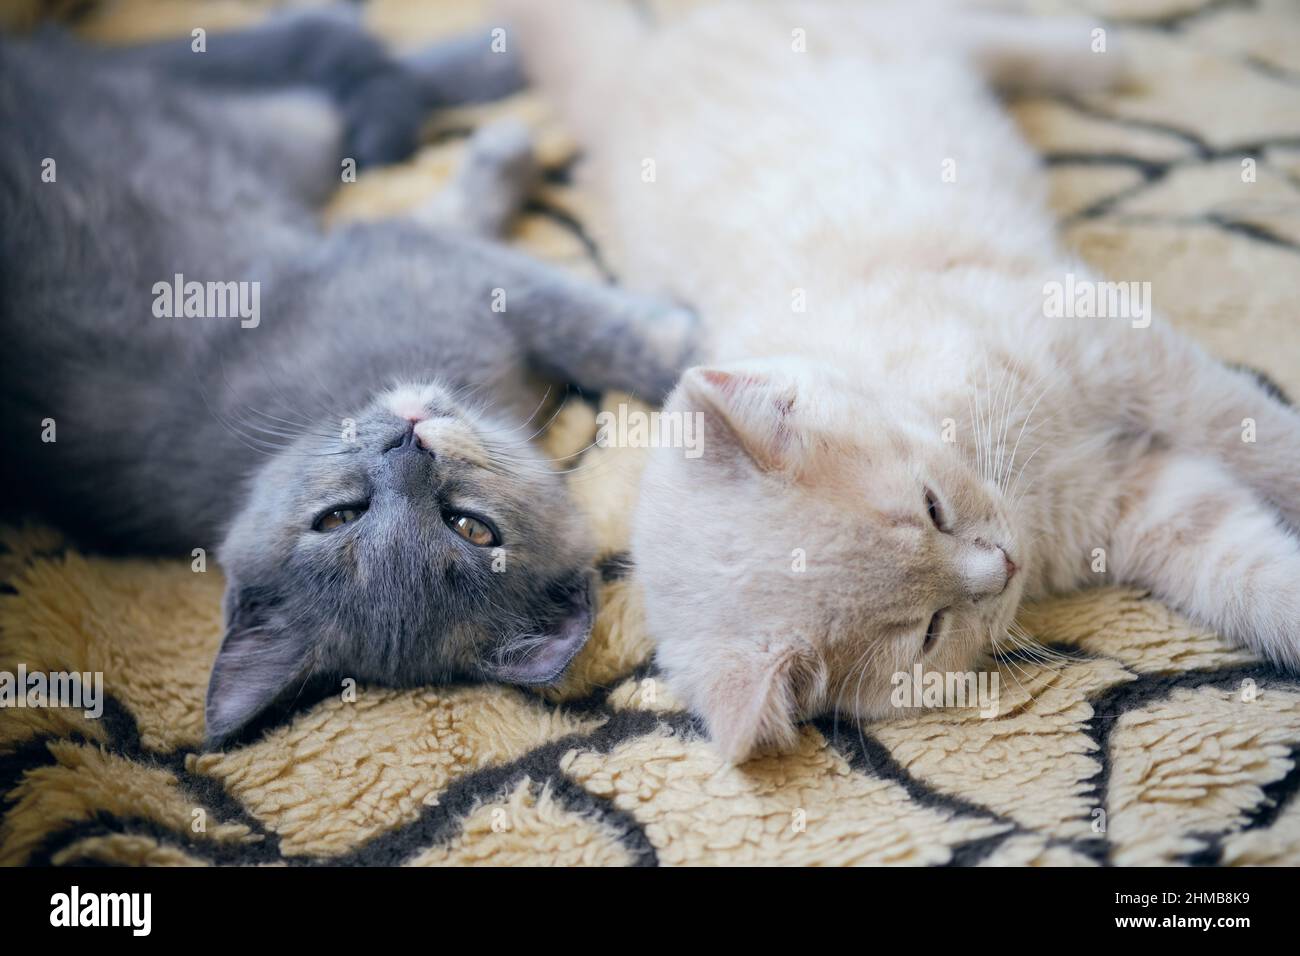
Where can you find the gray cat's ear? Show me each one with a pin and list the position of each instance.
(542, 658)
(257, 665)
(754, 696)
(745, 410)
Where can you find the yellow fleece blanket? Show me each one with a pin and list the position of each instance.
(1135, 739)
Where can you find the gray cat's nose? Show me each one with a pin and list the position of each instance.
(407, 461)
(409, 441)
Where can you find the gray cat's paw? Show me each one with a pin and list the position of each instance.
(382, 119)
(503, 151)
(673, 334)
(499, 171)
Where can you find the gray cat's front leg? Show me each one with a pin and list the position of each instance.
(491, 184)
(602, 337)
(596, 336)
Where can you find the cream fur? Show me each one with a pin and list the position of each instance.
(782, 176)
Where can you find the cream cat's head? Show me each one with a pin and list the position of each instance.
(826, 539)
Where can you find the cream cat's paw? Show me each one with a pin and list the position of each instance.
(1205, 543)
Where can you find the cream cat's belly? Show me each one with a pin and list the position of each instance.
(765, 186)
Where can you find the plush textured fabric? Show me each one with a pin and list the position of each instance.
(1148, 742)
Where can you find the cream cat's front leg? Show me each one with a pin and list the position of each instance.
(1197, 538)
(1225, 414)
(1154, 381)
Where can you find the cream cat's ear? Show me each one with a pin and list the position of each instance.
(753, 697)
(745, 410)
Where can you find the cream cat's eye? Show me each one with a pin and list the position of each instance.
(473, 530)
(936, 511)
(932, 632)
(337, 518)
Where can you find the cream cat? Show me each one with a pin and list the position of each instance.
(902, 443)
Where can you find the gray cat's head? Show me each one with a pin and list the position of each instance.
(421, 543)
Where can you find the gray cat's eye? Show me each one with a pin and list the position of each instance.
(474, 530)
(337, 518)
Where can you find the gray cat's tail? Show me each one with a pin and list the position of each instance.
(574, 50)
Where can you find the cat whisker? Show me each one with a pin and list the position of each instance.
(275, 383)
(1010, 662)
(1011, 494)
(970, 407)
(524, 424)
(1047, 654)
(297, 430)
(544, 428)
(1004, 399)
(261, 428)
(1028, 417)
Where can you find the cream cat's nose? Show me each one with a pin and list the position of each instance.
(985, 570)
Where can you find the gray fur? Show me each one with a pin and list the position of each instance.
(177, 433)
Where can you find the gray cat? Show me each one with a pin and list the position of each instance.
(346, 415)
